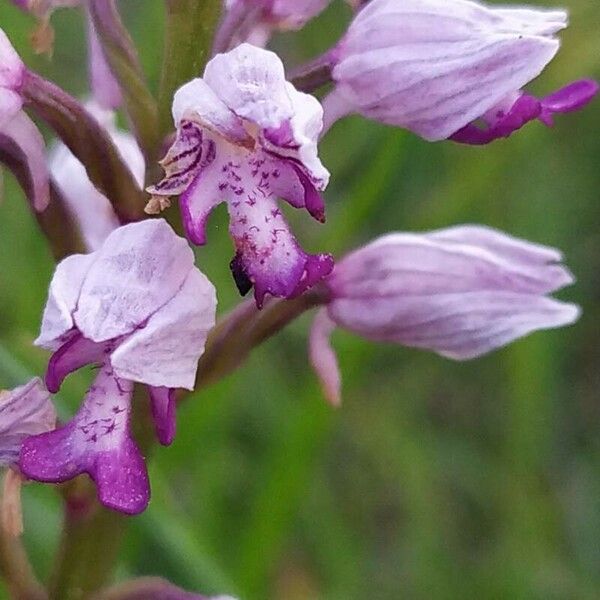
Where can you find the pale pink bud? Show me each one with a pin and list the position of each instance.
(437, 66)
(460, 292)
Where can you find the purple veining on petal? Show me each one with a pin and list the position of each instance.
(570, 98)
(96, 441)
(525, 109)
(190, 152)
(75, 353)
(163, 405)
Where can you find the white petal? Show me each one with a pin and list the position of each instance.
(251, 82)
(166, 351)
(139, 268)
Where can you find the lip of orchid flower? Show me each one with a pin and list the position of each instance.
(246, 136)
(24, 411)
(460, 292)
(387, 68)
(139, 309)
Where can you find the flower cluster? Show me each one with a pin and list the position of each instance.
(138, 309)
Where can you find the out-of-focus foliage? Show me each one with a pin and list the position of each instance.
(434, 479)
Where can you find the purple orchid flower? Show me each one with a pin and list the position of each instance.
(20, 139)
(460, 292)
(246, 136)
(436, 67)
(24, 411)
(141, 311)
(93, 212)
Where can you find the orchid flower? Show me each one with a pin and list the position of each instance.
(460, 292)
(139, 310)
(439, 67)
(246, 136)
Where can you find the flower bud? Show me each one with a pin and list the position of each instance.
(435, 67)
(460, 292)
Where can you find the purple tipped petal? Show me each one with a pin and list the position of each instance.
(24, 411)
(96, 441)
(163, 412)
(435, 66)
(165, 352)
(105, 88)
(75, 353)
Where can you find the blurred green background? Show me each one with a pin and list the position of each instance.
(434, 479)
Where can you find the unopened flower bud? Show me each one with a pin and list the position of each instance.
(460, 292)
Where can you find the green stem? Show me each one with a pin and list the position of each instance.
(91, 539)
(189, 33)
(246, 327)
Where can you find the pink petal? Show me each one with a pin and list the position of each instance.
(22, 132)
(92, 210)
(105, 88)
(323, 358)
(13, 69)
(196, 101)
(24, 411)
(251, 82)
(62, 299)
(390, 70)
(165, 352)
(139, 268)
(163, 405)
(96, 441)
(460, 292)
